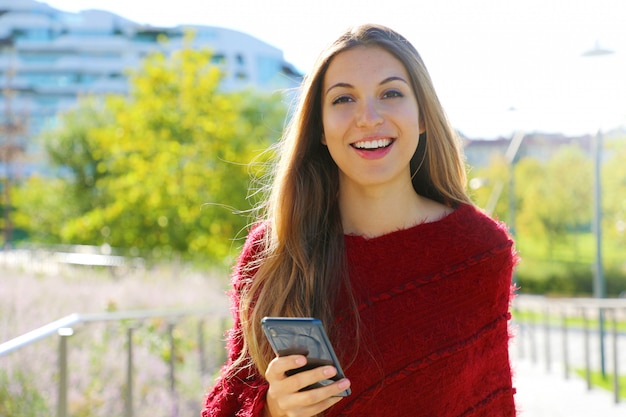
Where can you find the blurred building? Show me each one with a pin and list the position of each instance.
(540, 146)
(49, 58)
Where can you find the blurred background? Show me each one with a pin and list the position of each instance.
(132, 139)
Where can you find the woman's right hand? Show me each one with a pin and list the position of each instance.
(284, 398)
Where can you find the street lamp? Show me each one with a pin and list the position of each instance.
(599, 286)
(511, 158)
(597, 50)
(599, 283)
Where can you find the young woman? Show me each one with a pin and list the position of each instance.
(369, 228)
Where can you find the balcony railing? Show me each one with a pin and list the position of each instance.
(590, 335)
(130, 321)
(591, 331)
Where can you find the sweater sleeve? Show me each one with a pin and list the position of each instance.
(239, 393)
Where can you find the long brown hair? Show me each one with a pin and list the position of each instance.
(302, 267)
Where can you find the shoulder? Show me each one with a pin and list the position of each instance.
(465, 232)
(477, 233)
(476, 223)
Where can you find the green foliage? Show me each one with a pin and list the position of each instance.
(163, 171)
(43, 205)
(605, 381)
(529, 174)
(566, 279)
(572, 321)
(553, 215)
(18, 396)
(556, 196)
(73, 147)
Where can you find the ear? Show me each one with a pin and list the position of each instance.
(421, 125)
(323, 140)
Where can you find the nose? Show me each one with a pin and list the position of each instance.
(369, 114)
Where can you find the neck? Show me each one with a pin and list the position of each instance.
(374, 212)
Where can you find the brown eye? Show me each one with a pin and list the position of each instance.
(342, 99)
(392, 94)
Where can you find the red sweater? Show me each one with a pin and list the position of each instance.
(434, 303)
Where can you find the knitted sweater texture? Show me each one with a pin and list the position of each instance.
(434, 305)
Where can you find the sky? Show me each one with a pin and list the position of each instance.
(498, 65)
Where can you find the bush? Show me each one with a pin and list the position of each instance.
(19, 397)
(97, 350)
(567, 279)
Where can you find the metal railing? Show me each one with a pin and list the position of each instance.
(64, 329)
(51, 259)
(539, 319)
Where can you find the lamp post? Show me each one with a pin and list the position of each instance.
(599, 283)
(511, 158)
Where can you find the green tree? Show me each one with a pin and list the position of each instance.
(164, 169)
(44, 205)
(529, 176)
(73, 147)
(555, 196)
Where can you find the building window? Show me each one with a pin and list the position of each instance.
(32, 34)
(203, 34)
(150, 36)
(89, 33)
(41, 58)
(218, 59)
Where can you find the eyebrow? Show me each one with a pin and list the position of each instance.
(385, 81)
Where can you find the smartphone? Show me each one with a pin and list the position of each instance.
(303, 336)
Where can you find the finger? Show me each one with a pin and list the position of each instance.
(322, 374)
(317, 400)
(279, 365)
(318, 394)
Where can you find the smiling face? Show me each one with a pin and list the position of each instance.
(370, 116)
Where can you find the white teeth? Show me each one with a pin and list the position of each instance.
(372, 144)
